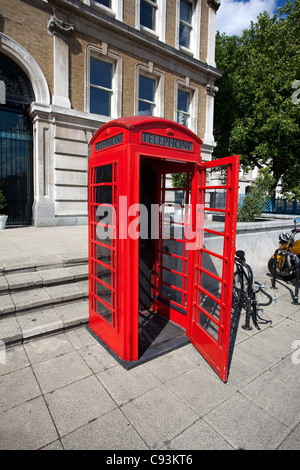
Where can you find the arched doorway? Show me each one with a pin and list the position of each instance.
(16, 142)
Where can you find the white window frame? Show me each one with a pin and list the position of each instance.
(194, 49)
(116, 90)
(149, 72)
(116, 10)
(160, 19)
(193, 109)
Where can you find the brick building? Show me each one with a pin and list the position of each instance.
(68, 66)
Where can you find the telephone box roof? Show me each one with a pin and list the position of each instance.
(133, 122)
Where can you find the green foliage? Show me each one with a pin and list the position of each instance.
(2, 201)
(255, 116)
(254, 203)
(179, 180)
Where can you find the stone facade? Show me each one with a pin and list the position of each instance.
(53, 40)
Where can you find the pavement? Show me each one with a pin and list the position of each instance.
(62, 390)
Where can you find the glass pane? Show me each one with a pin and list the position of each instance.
(215, 221)
(211, 307)
(103, 254)
(146, 88)
(103, 273)
(172, 278)
(213, 286)
(173, 263)
(104, 311)
(171, 294)
(184, 36)
(173, 247)
(186, 11)
(216, 198)
(208, 325)
(100, 101)
(104, 234)
(104, 174)
(145, 109)
(212, 263)
(147, 15)
(103, 195)
(100, 73)
(183, 119)
(183, 100)
(217, 176)
(104, 292)
(106, 3)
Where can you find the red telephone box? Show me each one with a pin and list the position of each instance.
(155, 248)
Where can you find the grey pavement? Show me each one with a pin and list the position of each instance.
(62, 390)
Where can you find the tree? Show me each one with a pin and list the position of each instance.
(254, 203)
(255, 115)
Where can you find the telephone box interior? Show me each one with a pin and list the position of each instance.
(161, 242)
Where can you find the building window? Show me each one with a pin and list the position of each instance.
(113, 8)
(147, 91)
(183, 107)
(148, 9)
(185, 23)
(106, 3)
(188, 26)
(103, 83)
(151, 17)
(186, 104)
(101, 74)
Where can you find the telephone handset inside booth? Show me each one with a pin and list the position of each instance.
(161, 242)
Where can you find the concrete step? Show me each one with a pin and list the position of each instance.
(38, 300)
(27, 280)
(28, 325)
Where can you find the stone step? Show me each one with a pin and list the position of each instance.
(44, 297)
(27, 280)
(31, 324)
(21, 300)
(26, 264)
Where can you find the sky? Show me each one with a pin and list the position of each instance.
(235, 15)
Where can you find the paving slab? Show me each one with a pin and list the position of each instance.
(45, 348)
(15, 359)
(18, 387)
(292, 441)
(246, 426)
(205, 391)
(126, 385)
(60, 371)
(283, 403)
(158, 416)
(62, 408)
(27, 427)
(111, 431)
(199, 436)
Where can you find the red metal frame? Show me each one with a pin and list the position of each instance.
(209, 328)
(114, 280)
